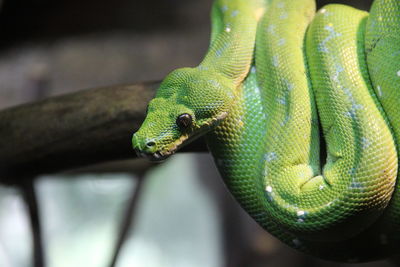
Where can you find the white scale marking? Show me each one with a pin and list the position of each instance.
(352, 171)
(379, 90)
(281, 101)
(275, 61)
(357, 185)
(235, 13)
(325, 12)
(283, 122)
(365, 142)
(282, 41)
(322, 46)
(270, 156)
(284, 15)
(350, 114)
(339, 69)
(266, 172)
(271, 29)
(354, 106)
(288, 85)
(301, 213)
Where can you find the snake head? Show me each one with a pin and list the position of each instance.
(189, 103)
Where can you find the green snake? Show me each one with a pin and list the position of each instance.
(300, 110)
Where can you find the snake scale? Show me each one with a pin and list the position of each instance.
(300, 110)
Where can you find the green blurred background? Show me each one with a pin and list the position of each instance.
(185, 216)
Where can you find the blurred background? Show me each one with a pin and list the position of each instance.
(185, 216)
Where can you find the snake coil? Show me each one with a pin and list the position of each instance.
(279, 84)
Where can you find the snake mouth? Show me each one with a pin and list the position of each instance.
(156, 156)
(163, 154)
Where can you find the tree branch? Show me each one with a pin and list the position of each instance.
(30, 197)
(73, 130)
(128, 220)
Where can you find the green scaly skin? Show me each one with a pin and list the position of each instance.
(278, 82)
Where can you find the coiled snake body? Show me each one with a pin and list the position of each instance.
(278, 85)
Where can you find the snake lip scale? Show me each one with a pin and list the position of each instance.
(279, 81)
(156, 156)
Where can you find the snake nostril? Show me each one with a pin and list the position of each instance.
(150, 144)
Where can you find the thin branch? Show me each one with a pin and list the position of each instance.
(74, 130)
(30, 198)
(127, 224)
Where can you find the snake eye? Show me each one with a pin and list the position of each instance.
(184, 121)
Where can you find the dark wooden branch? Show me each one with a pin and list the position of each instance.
(73, 130)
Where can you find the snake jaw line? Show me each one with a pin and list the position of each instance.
(187, 138)
(155, 157)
